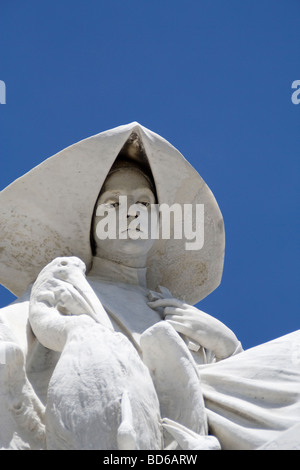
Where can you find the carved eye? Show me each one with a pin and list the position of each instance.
(146, 204)
(64, 263)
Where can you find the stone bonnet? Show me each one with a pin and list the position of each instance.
(47, 213)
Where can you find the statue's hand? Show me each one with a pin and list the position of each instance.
(188, 439)
(200, 327)
(62, 300)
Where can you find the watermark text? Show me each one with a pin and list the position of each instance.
(296, 94)
(152, 221)
(2, 92)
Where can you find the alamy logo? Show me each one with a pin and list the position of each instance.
(152, 221)
(2, 92)
(296, 95)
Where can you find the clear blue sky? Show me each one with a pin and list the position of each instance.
(212, 77)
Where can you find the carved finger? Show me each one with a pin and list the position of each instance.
(180, 327)
(153, 295)
(174, 311)
(165, 292)
(47, 297)
(166, 303)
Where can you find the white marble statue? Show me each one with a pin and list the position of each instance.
(103, 349)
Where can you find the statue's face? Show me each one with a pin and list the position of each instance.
(127, 199)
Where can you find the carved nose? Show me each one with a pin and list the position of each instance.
(132, 211)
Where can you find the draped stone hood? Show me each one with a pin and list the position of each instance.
(47, 213)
